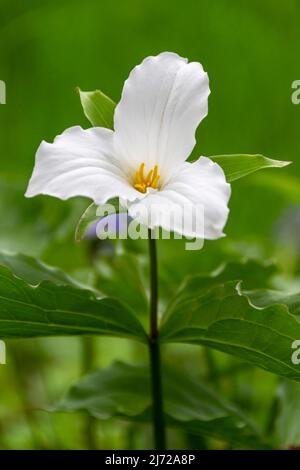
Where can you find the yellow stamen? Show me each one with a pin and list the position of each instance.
(148, 178)
(141, 171)
(154, 182)
(155, 172)
(141, 183)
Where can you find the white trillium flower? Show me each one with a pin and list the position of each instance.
(143, 161)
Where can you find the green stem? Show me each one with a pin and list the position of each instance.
(154, 349)
(88, 356)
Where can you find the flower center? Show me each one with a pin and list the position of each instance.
(141, 182)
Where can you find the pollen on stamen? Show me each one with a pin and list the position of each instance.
(142, 182)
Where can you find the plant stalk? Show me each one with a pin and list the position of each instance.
(154, 349)
(88, 355)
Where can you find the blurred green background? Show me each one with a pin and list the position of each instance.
(47, 48)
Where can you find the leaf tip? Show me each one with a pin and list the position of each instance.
(279, 163)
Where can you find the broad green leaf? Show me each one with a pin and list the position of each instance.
(236, 166)
(123, 390)
(98, 108)
(239, 436)
(34, 271)
(122, 273)
(252, 272)
(48, 309)
(223, 318)
(210, 262)
(287, 424)
(265, 297)
(118, 390)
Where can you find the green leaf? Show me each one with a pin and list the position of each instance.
(287, 424)
(98, 108)
(122, 273)
(252, 272)
(34, 271)
(88, 218)
(237, 166)
(118, 390)
(265, 297)
(123, 390)
(223, 318)
(48, 309)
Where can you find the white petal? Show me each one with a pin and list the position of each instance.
(201, 184)
(163, 101)
(80, 163)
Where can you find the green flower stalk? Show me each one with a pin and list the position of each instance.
(154, 349)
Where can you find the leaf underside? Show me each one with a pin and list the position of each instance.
(123, 390)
